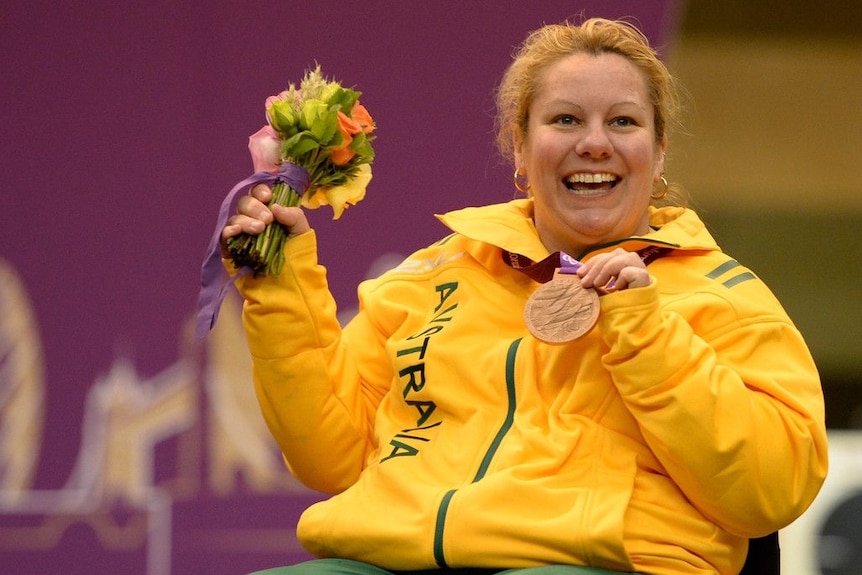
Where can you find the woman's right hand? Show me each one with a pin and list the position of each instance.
(253, 216)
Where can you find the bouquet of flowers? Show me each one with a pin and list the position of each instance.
(321, 135)
(315, 150)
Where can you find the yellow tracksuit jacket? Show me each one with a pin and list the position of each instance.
(687, 421)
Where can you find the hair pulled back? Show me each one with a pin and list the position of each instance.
(543, 47)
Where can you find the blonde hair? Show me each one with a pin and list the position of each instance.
(549, 44)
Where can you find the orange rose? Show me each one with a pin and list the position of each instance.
(341, 154)
(358, 121)
(361, 117)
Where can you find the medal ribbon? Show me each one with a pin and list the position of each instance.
(543, 271)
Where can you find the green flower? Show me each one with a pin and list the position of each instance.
(283, 118)
(320, 119)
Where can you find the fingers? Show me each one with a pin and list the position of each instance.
(253, 215)
(254, 204)
(252, 218)
(261, 192)
(614, 271)
(629, 277)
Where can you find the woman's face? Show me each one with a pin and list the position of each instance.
(590, 153)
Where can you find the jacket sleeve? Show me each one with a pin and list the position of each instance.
(312, 395)
(727, 396)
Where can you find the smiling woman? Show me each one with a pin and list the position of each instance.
(590, 152)
(686, 421)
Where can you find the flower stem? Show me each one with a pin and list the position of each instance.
(263, 253)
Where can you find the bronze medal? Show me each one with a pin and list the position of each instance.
(561, 310)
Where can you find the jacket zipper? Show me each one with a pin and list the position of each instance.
(440, 524)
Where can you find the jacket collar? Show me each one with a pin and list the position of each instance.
(510, 227)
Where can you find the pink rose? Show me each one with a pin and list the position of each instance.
(264, 146)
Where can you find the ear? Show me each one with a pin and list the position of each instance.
(517, 148)
(659, 165)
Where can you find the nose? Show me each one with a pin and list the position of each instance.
(594, 142)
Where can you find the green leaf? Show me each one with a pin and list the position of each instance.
(344, 98)
(299, 144)
(361, 144)
(326, 126)
(320, 120)
(331, 93)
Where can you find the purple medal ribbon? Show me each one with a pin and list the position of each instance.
(214, 279)
(543, 271)
(568, 264)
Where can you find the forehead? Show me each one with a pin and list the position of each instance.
(605, 76)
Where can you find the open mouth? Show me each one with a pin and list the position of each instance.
(589, 183)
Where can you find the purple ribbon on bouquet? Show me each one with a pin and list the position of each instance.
(214, 279)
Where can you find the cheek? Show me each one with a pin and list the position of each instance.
(646, 158)
(548, 149)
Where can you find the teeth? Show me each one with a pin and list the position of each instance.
(585, 178)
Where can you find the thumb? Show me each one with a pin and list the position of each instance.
(292, 218)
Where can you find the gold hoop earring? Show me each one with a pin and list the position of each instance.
(518, 182)
(662, 192)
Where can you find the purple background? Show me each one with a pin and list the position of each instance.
(124, 124)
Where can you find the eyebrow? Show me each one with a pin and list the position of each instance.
(565, 102)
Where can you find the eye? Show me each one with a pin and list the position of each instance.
(623, 122)
(565, 120)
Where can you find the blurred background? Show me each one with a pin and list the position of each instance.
(771, 156)
(126, 447)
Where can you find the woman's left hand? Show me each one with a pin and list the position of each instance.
(614, 271)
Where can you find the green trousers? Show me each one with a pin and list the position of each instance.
(347, 567)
